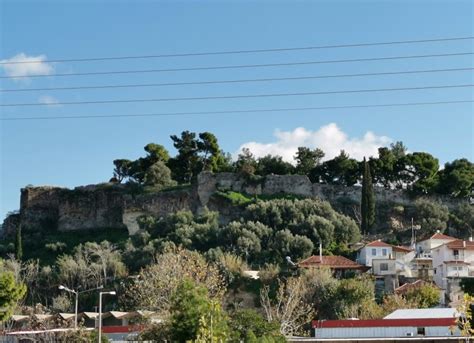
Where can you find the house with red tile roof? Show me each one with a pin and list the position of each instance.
(385, 259)
(453, 261)
(340, 265)
(423, 248)
(412, 286)
(373, 251)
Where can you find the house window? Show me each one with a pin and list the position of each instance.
(374, 252)
(456, 254)
(420, 331)
(384, 252)
(383, 267)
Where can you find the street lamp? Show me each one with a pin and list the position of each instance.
(100, 312)
(76, 293)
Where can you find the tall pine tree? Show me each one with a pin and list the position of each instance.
(367, 203)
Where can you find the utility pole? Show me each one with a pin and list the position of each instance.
(76, 294)
(100, 312)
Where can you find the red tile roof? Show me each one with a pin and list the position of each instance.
(383, 323)
(438, 235)
(333, 262)
(402, 249)
(460, 244)
(378, 244)
(409, 286)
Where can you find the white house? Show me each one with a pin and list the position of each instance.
(453, 259)
(423, 248)
(373, 251)
(386, 259)
(451, 262)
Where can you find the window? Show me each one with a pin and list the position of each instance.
(374, 252)
(456, 254)
(420, 331)
(383, 267)
(384, 252)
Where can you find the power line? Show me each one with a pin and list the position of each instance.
(238, 96)
(238, 111)
(241, 66)
(234, 81)
(242, 51)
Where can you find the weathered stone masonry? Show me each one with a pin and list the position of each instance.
(109, 206)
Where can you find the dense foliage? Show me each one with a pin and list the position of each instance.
(267, 232)
(393, 168)
(11, 292)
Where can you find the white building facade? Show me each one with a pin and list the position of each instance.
(376, 250)
(453, 261)
(423, 248)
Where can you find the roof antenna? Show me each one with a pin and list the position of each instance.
(413, 235)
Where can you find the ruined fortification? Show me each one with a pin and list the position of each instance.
(112, 206)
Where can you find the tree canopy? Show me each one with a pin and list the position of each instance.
(393, 167)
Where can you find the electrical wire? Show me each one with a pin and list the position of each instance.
(237, 111)
(109, 58)
(267, 65)
(141, 85)
(238, 96)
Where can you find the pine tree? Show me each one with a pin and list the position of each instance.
(367, 205)
(18, 244)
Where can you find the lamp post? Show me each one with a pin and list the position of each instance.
(76, 293)
(100, 312)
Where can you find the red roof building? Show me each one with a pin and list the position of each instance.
(338, 264)
(439, 235)
(378, 243)
(370, 323)
(459, 244)
(385, 328)
(412, 285)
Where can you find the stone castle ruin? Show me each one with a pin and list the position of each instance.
(111, 206)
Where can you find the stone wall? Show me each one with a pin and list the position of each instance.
(113, 206)
(300, 185)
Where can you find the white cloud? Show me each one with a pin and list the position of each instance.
(330, 138)
(21, 71)
(48, 100)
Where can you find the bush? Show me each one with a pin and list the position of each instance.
(246, 324)
(56, 247)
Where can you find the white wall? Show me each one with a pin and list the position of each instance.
(367, 255)
(376, 332)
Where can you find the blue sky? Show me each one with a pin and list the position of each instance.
(74, 152)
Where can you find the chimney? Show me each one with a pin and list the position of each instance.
(470, 239)
(437, 231)
(463, 244)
